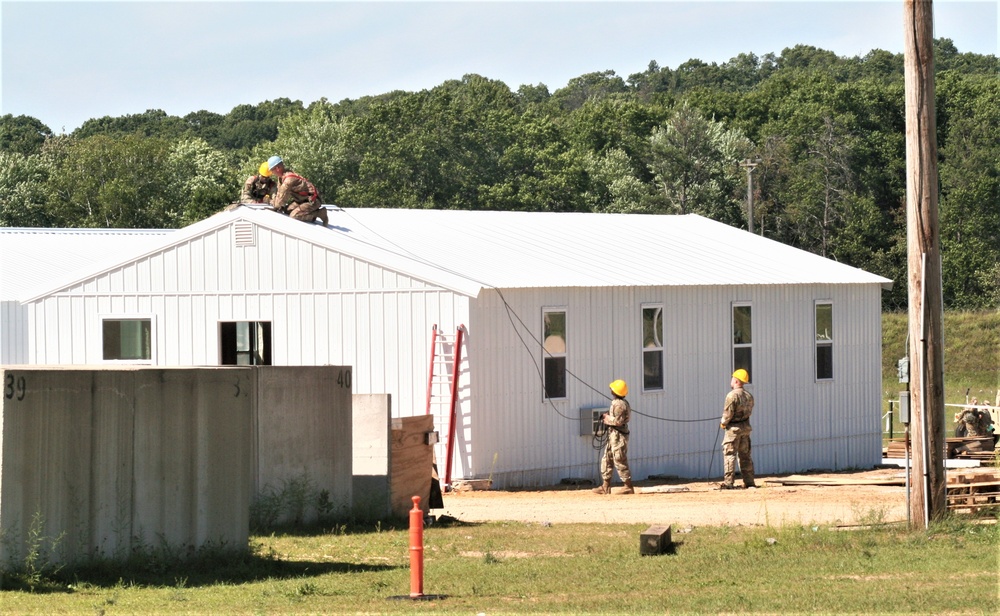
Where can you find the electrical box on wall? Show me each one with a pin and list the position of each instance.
(904, 407)
(903, 370)
(590, 419)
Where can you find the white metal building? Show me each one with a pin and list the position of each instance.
(671, 304)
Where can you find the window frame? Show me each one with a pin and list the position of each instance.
(741, 346)
(644, 350)
(827, 343)
(253, 351)
(103, 319)
(550, 357)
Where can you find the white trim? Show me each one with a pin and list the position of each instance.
(732, 336)
(817, 343)
(547, 354)
(98, 352)
(643, 350)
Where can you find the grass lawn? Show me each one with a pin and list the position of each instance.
(508, 568)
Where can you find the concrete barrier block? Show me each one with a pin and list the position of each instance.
(304, 433)
(370, 447)
(193, 466)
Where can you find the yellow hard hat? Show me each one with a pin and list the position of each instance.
(619, 387)
(263, 170)
(742, 375)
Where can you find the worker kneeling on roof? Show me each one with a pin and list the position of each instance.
(259, 187)
(296, 196)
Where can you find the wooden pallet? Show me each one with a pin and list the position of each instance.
(896, 448)
(972, 492)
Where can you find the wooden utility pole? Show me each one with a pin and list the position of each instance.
(926, 355)
(750, 165)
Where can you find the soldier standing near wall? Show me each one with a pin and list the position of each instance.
(736, 423)
(616, 449)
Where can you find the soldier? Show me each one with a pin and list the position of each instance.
(259, 187)
(616, 449)
(296, 195)
(736, 422)
(975, 422)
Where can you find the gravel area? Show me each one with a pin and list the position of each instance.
(683, 503)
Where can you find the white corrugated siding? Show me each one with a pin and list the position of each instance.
(799, 423)
(334, 300)
(325, 308)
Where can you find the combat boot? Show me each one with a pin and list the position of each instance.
(628, 488)
(605, 488)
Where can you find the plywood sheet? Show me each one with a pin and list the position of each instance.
(411, 463)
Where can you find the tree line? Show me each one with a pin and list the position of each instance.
(825, 135)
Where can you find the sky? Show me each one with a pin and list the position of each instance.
(66, 62)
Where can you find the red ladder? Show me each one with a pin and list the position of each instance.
(442, 386)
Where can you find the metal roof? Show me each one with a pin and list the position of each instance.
(546, 249)
(467, 250)
(34, 258)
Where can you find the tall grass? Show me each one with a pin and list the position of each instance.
(971, 358)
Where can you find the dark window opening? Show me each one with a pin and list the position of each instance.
(245, 343)
(127, 339)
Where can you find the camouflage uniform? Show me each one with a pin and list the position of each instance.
(616, 450)
(258, 189)
(976, 426)
(298, 198)
(736, 420)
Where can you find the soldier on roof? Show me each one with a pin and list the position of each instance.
(296, 195)
(259, 187)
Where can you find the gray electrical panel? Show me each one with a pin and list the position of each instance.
(904, 407)
(590, 419)
(903, 370)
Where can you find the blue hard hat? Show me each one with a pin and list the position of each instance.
(273, 162)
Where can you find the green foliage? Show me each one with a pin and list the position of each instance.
(23, 186)
(970, 235)
(22, 134)
(203, 179)
(296, 503)
(102, 181)
(694, 161)
(33, 566)
(152, 123)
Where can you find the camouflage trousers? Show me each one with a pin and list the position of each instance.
(616, 455)
(308, 212)
(737, 444)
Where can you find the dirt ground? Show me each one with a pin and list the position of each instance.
(684, 503)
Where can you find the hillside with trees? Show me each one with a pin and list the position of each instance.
(826, 132)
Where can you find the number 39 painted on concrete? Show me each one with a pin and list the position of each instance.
(14, 387)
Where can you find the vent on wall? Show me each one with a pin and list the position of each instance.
(244, 234)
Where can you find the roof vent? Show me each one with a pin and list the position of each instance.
(244, 234)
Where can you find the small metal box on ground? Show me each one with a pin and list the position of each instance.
(655, 540)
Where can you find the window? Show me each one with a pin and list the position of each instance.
(824, 341)
(127, 339)
(742, 339)
(652, 347)
(554, 345)
(245, 343)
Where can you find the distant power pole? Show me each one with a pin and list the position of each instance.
(927, 475)
(750, 165)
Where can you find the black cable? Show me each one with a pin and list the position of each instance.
(711, 460)
(510, 311)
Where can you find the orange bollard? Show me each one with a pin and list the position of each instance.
(416, 549)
